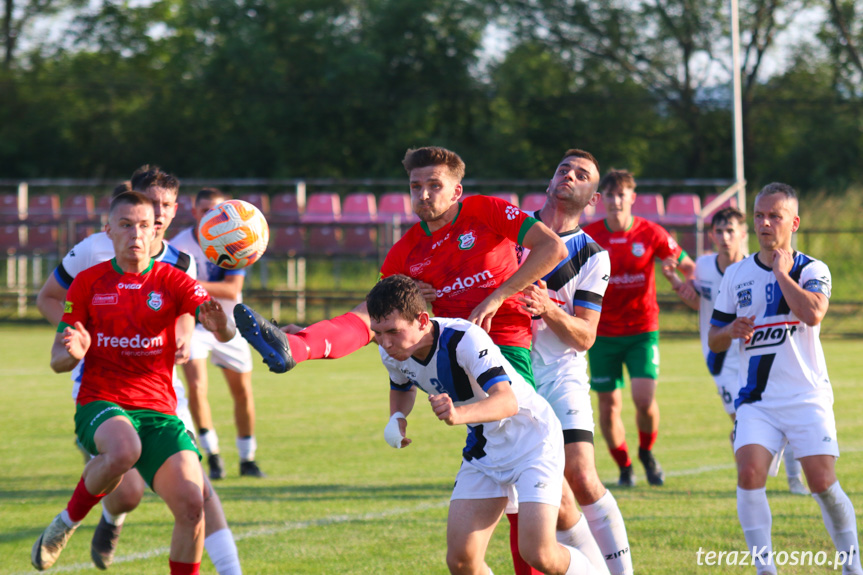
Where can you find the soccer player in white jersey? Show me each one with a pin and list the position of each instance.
(162, 189)
(728, 233)
(514, 440)
(565, 307)
(770, 306)
(234, 357)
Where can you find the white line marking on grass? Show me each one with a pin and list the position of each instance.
(262, 532)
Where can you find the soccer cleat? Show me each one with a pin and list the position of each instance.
(627, 478)
(265, 337)
(217, 466)
(796, 485)
(50, 544)
(652, 469)
(251, 469)
(104, 543)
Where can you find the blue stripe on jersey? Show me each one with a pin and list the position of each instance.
(581, 248)
(778, 305)
(453, 378)
(62, 276)
(756, 379)
(174, 257)
(587, 300)
(400, 387)
(475, 446)
(721, 319)
(715, 362)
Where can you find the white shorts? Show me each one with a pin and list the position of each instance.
(727, 386)
(808, 425)
(536, 480)
(568, 392)
(234, 355)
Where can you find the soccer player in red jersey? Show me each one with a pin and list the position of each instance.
(121, 315)
(628, 331)
(461, 253)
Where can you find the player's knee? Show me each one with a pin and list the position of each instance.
(126, 497)
(189, 507)
(120, 460)
(458, 560)
(750, 477)
(541, 558)
(585, 482)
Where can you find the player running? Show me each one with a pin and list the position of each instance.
(628, 331)
(513, 436)
(121, 315)
(770, 306)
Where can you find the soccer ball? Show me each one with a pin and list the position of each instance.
(233, 234)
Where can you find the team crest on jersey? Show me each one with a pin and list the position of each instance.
(154, 301)
(744, 298)
(637, 249)
(467, 240)
(706, 293)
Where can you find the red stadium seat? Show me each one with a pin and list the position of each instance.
(79, 207)
(360, 240)
(286, 241)
(649, 206)
(324, 239)
(322, 207)
(260, 201)
(42, 239)
(284, 208)
(730, 202)
(8, 208)
(9, 238)
(359, 207)
(532, 202)
(43, 208)
(681, 209)
(394, 206)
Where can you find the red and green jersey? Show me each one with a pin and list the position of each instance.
(130, 318)
(629, 306)
(467, 260)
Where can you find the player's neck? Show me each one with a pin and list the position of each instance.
(133, 266)
(765, 255)
(618, 222)
(558, 220)
(446, 219)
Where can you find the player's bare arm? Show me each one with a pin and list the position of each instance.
(51, 299)
(546, 251)
(577, 331)
(719, 338)
(70, 347)
(183, 331)
(499, 404)
(401, 403)
(213, 318)
(810, 307)
(682, 287)
(229, 288)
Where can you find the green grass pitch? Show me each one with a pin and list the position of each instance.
(338, 500)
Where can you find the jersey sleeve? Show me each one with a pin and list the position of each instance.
(75, 308)
(665, 245)
(75, 261)
(393, 262)
(480, 357)
(724, 307)
(594, 281)
(500, 215)
(816, 278)
(191, 293)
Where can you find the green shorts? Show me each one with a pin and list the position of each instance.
(161, 435)
(639, 352)
(519, 358)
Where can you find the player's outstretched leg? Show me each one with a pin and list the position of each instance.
(51, 543)
(265, 337)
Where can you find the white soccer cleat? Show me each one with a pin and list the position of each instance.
(50, 544)
(796, 485)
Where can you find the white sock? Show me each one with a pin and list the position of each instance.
(222, 550)
(579, 564)
(112, 519)
(606, 523)
(579, 536)
(64, 516)
(841, 523)
(247, 447)
(792, 466)
(209, 441)
(753, 510)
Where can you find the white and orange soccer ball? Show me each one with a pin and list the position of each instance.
(233, 234)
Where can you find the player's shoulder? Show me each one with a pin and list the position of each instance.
(92, 245)
(97, 270)
(172, 256)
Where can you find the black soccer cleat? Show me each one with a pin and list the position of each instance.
(104, 543)
(217, 466)
(627, 477)
(251, 469)
(652, 469)
(265, 337)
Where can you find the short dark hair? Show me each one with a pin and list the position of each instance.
(576, 153)
(123, 188)
(148, 176)
(130, 199)
(777, 188)
(397, 293)
(728, 215)
(434, 156)
(616, 179)
(211, 194)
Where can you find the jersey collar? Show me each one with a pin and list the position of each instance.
(626, 229)
(577, 227)
(425, 226)
(765, 267)
(120, 271)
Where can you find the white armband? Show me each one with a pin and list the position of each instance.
(392, 433)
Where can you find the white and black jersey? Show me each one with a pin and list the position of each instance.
(464, 363)
(783, 359)
(706, 279)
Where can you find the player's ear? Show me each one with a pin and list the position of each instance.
(423, 319)
(594, 199)
(458, 192)
(795, 224)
